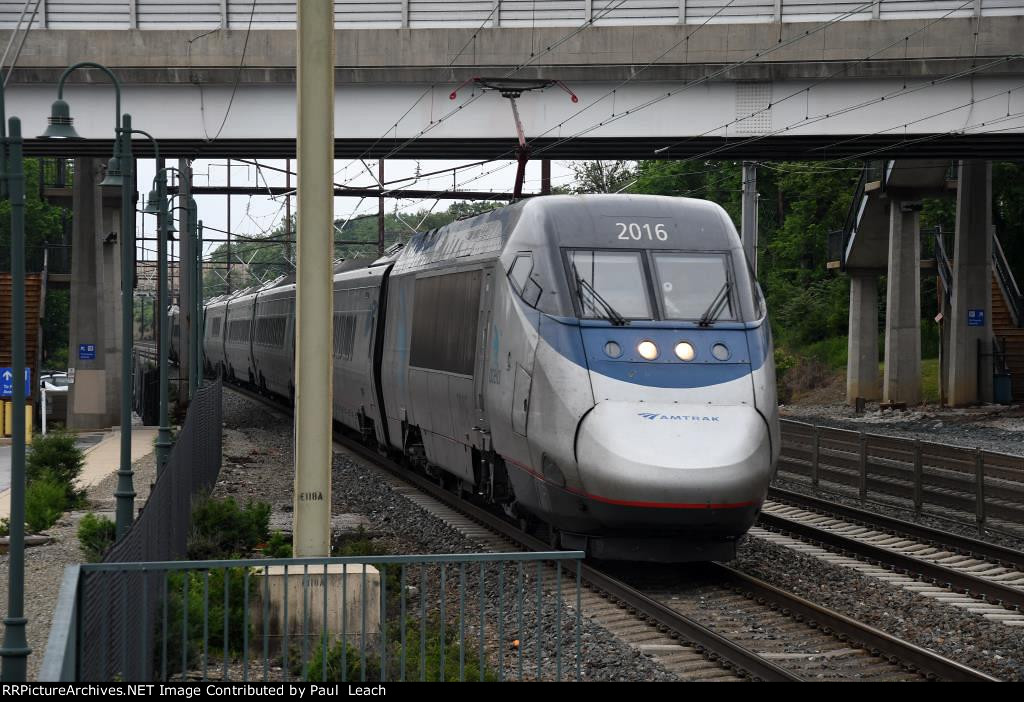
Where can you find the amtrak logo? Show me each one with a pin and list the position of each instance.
(677, 417)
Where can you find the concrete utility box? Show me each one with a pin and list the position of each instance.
(305, 594)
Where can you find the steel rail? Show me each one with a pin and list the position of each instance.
(862, 635)
(711, 644)
(963, 544)
(949, 577)
(706, 641)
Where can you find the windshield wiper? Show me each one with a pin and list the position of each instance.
(609, 312)
(716, 306)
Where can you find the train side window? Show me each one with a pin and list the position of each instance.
(522, 283)
(520, 271)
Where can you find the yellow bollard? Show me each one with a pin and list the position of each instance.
(7, 418)
(28, 424)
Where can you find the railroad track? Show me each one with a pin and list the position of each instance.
(983, 578)
(659, 624)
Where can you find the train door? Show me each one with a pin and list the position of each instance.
(482, 429)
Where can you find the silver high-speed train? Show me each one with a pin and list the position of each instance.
(600, 363)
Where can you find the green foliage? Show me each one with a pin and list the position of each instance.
(222, 529)
(600, 176)
(43, 223)
(55, 328)
(344, 661)
(278, 546)
(5, 527)
(95, 536)
(267, 259)
(45, 502)
(203, 591)
(360, 544)
(56, 458)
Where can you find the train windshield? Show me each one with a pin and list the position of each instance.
(609, 284)
(688, 284)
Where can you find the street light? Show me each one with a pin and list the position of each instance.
(158, 203)
(120, 171)
(15, 648)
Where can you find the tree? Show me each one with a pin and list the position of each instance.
(255, 260)
(601, 176)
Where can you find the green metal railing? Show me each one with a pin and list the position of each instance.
(479, 617)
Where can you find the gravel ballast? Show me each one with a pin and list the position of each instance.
(950, 631)
(258, 465)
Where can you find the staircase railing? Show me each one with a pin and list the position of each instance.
(942, 264)
(873, 170)
(1008, 284)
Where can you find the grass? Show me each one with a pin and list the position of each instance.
(929, 379)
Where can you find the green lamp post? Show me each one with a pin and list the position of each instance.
(15, 648)
(120, 171)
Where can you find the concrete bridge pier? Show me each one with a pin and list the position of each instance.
(970, 322)
(902, 380)
(862, 349)
(94, 336)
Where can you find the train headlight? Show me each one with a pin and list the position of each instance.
(612, 349)
(721, 352)
(685, 351)
(647, 349)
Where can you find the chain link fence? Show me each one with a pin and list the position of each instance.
(116, 636)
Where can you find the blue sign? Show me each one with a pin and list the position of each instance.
(87, 352)
(7, 382)
(975, 318)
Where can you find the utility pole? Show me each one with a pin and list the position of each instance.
(227, 261)
(313, 303)
(380, 208)
(288, 211)
(749, 216)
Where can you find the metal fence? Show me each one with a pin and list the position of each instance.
(474, 617)
(104, 615)
(945, 481)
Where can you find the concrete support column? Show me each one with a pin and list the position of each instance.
(862, 350)
(902, 381)
(313, 290)
(970, 320)
(91, 344)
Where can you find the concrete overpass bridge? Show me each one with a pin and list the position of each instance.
(672, 79)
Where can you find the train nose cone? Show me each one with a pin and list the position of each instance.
(674, 455)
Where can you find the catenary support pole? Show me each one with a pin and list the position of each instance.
(749, 215)
(313, 316)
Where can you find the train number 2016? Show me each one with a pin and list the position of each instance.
(636, 231)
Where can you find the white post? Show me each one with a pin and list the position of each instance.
(314, 269)
(42, 396)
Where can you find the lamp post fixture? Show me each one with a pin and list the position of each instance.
(120, 171)
(15, 648)
(157, 204)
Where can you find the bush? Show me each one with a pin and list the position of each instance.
(95, 536)
(55, 457)
(5, 527)
(222, 529)
(431, 663)
(278, 546)
(45, 502)
(203, 612)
